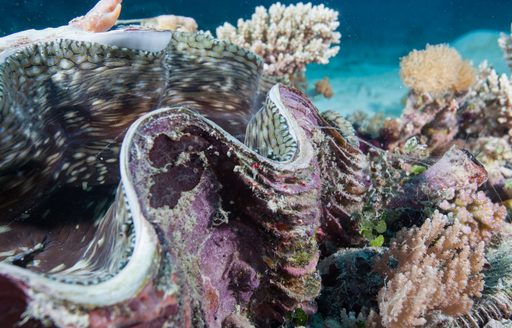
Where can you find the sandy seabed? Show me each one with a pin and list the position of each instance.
(366, 77)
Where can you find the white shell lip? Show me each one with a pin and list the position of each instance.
(302, 159)
(123, 286)
(305, 150)
(152, 41)
(126, 284)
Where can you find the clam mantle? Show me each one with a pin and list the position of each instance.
(206, 214)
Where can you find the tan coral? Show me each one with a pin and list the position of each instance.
(324, 88)
(165, 23)
(287, 37)
(438, 272)
(436, 70)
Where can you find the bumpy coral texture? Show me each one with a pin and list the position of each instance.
(489, 105)
(495, 153)
(437, 270)
(437, 70)
(505, 42)
(287, 37)
(479, 216)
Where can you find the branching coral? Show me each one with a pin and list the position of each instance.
(437, 70)
(287, 37)
(496, 301)
(505, 42)
(496, 155)
(440, 80)
(488, 108)
(439, 121)
(437, 270)
(480, 217)
(442, 120)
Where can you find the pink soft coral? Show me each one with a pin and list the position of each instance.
(438, 271)
(478, 215)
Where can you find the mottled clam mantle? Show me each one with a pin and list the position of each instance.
(199, 228)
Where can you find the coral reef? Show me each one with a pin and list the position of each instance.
(198, 227)
(443, 119)
(436, 70)
(437, 271)
(487, 110)
(157, 176)
(287, 37)
(496, 300)
(505, 42)
(480, 217)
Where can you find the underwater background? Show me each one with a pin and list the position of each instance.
(273, 231)
(375, 34)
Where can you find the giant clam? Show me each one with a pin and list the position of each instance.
(206, 215)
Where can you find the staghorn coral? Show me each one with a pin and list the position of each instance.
(480, 217)
(436, 70)
(438, 271)
(287, 37)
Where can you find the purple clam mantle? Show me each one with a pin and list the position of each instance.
(184, 224)
(241, 228)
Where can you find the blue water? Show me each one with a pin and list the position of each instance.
(412, 22)
(375, 33)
